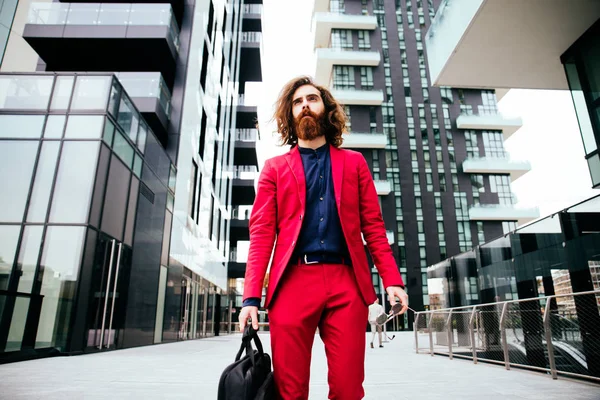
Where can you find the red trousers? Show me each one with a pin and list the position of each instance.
(324, 296)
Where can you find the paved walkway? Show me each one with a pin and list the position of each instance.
(191, 370)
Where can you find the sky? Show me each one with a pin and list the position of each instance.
(549, 139)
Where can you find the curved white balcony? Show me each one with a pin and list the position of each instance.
(502, 44)
(383, 187)
(353, 97)
(327, 58)
(496, 165)
(324, 22)
(503, 212)
(358, 140)
(495, 121)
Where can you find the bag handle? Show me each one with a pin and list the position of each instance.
(250, 334)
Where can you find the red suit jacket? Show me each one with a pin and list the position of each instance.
(279, 209)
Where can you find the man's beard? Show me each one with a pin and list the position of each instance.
(309, 125)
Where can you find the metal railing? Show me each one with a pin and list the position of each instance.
(558, 334)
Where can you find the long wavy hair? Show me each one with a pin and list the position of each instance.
(335, 118)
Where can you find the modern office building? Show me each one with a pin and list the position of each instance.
(120, 185)
(537, 44)
(436, 154)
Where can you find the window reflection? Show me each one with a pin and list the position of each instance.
(59, 269)
(9, 235)
(16, 168)
(128, 118)
(28, 257)
(74, 182)
(25, 92)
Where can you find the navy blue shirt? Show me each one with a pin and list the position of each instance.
(321, 231)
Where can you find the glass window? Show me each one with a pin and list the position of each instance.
(113, 102)
(62, 92)
(9, 236)
(60, 261)
(364, 41)
(137, 165)
(17, 159)
(91, 93)
(583, 117)
(28, 256)
(123, 148)
(172, 178)
(115, 199)
(84, 127)
(21, 126)
(341, 39)
(55, 126)
(109, 132)
(128, 118)
(141, 139)
(74, 182)
(343, 77)
(22, 92)
(40, 195)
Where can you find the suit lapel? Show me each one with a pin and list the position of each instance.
(337, 172)
(295, 162)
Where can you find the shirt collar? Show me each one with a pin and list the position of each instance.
(320, 150)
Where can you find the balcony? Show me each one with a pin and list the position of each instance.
(327, 58)
(489, 121)
(151, 96)
(324, 22)
(496, 165)
(252, 21)
(176, 5)
(245, 147)
(104, 37)
(489, 44)
(353, 97)
(238, 228)
(247, 114)
(236, 267)
(358, 140)
(250, 57)
(321, 6)
(243, 192)
(383, 187)
(503, 212)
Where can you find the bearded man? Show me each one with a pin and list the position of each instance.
(313, 203)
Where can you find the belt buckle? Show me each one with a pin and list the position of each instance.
(309, 262)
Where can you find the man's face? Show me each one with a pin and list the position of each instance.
(308, 111)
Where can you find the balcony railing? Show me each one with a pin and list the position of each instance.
(528, 333)
(146, 84)
(244, 172)
(105, 14)
(246, 135)
(242, 214)
(251, 37)
(253, 8)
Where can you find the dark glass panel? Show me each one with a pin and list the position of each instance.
(9, 235)
(115, 200)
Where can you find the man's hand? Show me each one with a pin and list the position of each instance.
(397, 291)
(248, 312)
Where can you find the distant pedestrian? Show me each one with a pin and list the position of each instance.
(375, 310)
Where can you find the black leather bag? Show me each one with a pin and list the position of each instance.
(249, 377)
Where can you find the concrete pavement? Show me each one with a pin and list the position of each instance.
(191, 370)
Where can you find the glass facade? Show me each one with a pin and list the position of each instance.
(100, 248)
(556, 255)
(582, 67)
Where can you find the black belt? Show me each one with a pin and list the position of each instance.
(320, 258)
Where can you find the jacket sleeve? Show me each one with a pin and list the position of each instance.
(373, 228)
(263, 227)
